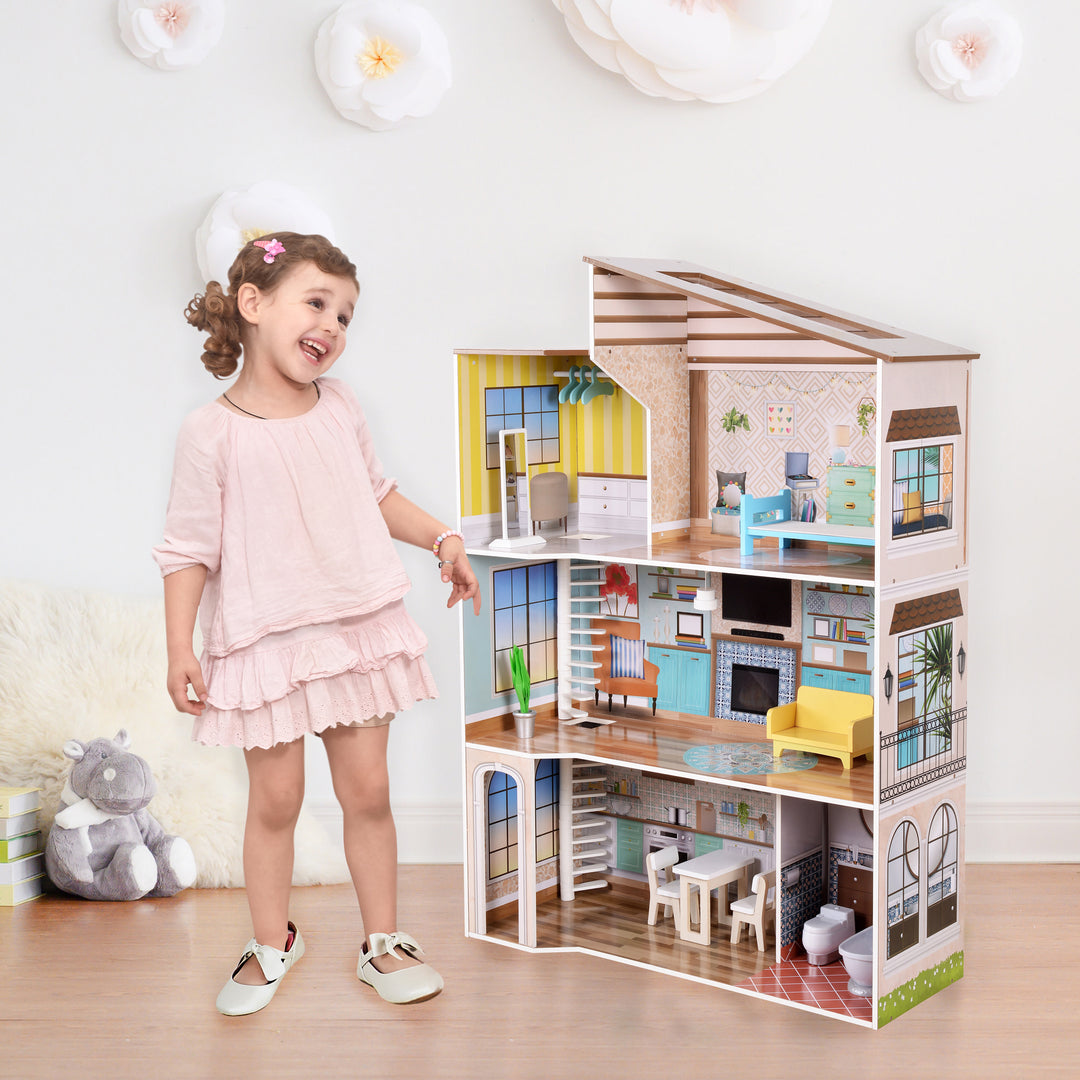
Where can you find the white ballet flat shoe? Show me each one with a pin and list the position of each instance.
(415, 983)
(237, 999)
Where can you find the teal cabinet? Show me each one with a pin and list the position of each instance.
(854, 682)
(849, 494)
(704, 844)
(629, 846)
(683, 679)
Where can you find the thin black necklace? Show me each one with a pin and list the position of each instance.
(318, 394)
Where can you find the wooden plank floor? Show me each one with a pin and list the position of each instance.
(644, 741)
(118, 991)
(614, 921)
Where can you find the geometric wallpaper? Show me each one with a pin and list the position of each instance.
(820, 399)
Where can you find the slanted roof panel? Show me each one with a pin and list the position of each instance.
(869, 338)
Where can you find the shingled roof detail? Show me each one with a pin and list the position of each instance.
(926, 611)
(908, 424)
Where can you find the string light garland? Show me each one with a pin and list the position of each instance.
(774, 383)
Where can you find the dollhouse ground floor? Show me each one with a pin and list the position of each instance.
(638, 776)
(612, 924)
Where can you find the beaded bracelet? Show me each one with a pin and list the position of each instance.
(445, 536)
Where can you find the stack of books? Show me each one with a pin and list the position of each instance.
(22, 864)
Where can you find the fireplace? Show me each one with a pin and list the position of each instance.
(752, 677)
(754, 689)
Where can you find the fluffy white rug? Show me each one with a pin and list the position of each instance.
(79, 664)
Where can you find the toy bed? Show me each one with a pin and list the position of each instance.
(771, 516)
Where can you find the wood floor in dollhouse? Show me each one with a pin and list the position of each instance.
(615, 921)
(704, 550)
(661, 743)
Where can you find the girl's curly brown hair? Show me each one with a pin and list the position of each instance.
(215, 311)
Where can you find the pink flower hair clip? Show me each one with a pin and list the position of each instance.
(272, 249)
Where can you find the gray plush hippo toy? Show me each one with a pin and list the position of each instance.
(104, 844)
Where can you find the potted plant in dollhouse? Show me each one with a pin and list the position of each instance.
(524, 718)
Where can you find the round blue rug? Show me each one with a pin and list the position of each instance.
(746, 759)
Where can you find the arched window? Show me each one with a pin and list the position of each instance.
(942, 883)
(502, 809)
(547, 809)
(903, 889)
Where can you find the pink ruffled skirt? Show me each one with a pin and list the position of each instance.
(356, 671)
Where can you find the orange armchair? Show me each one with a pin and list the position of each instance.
(606, 682)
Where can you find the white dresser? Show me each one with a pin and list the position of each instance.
(612, 502)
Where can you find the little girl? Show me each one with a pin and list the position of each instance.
(279, 532)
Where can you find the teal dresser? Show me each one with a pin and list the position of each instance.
(683, 679)
(849, 494)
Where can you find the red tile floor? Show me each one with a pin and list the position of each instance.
(823, 988)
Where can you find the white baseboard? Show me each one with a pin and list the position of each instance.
(996, 832)
(425, 834)
(1023, 832)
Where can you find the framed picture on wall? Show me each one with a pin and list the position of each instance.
(780, 419)
(618, 592)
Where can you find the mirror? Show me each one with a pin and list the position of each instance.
(514, 492)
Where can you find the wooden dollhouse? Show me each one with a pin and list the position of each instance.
(761, 494)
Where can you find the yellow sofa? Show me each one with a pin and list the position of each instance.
(831, 723)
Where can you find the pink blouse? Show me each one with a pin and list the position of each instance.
(284, 514)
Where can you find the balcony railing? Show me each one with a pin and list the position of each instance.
(925, 752)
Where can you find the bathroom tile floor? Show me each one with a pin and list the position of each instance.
(824, 988)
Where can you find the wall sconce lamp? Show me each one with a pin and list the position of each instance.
(888, 680)
(961, 660)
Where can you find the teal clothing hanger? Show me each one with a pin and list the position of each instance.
(564, 393)
(575, 394)
(597, 387)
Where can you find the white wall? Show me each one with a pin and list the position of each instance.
(849, 182)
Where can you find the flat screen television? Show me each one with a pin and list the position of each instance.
(761, 600)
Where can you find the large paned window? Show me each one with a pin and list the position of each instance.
(922, 490)
(924, 694)
(942, 885)
(903, 889)
(502, 808)
(523, 607)
(547, 809)
(534, 408)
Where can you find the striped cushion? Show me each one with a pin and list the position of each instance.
(627, 658)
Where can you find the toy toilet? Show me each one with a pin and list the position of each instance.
(822, 935)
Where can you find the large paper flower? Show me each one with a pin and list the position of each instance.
(969, 50)
(250, 213)
(381, 61)
(712, 50)
(169, 34)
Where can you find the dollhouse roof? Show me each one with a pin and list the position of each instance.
(908, 424)
(926, 611)
(725, 319)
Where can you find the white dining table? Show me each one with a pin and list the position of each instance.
(715, 869)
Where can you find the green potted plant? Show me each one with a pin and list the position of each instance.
(732, 420)
(524, 718)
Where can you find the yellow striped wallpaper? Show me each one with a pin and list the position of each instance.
(605, 436)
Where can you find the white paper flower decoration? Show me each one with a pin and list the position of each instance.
(381, 61)
(969, 50)
(247, 214)
(170, 34)
(711, 50)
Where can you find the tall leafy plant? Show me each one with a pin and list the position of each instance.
(520, 674)
(935, 656)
